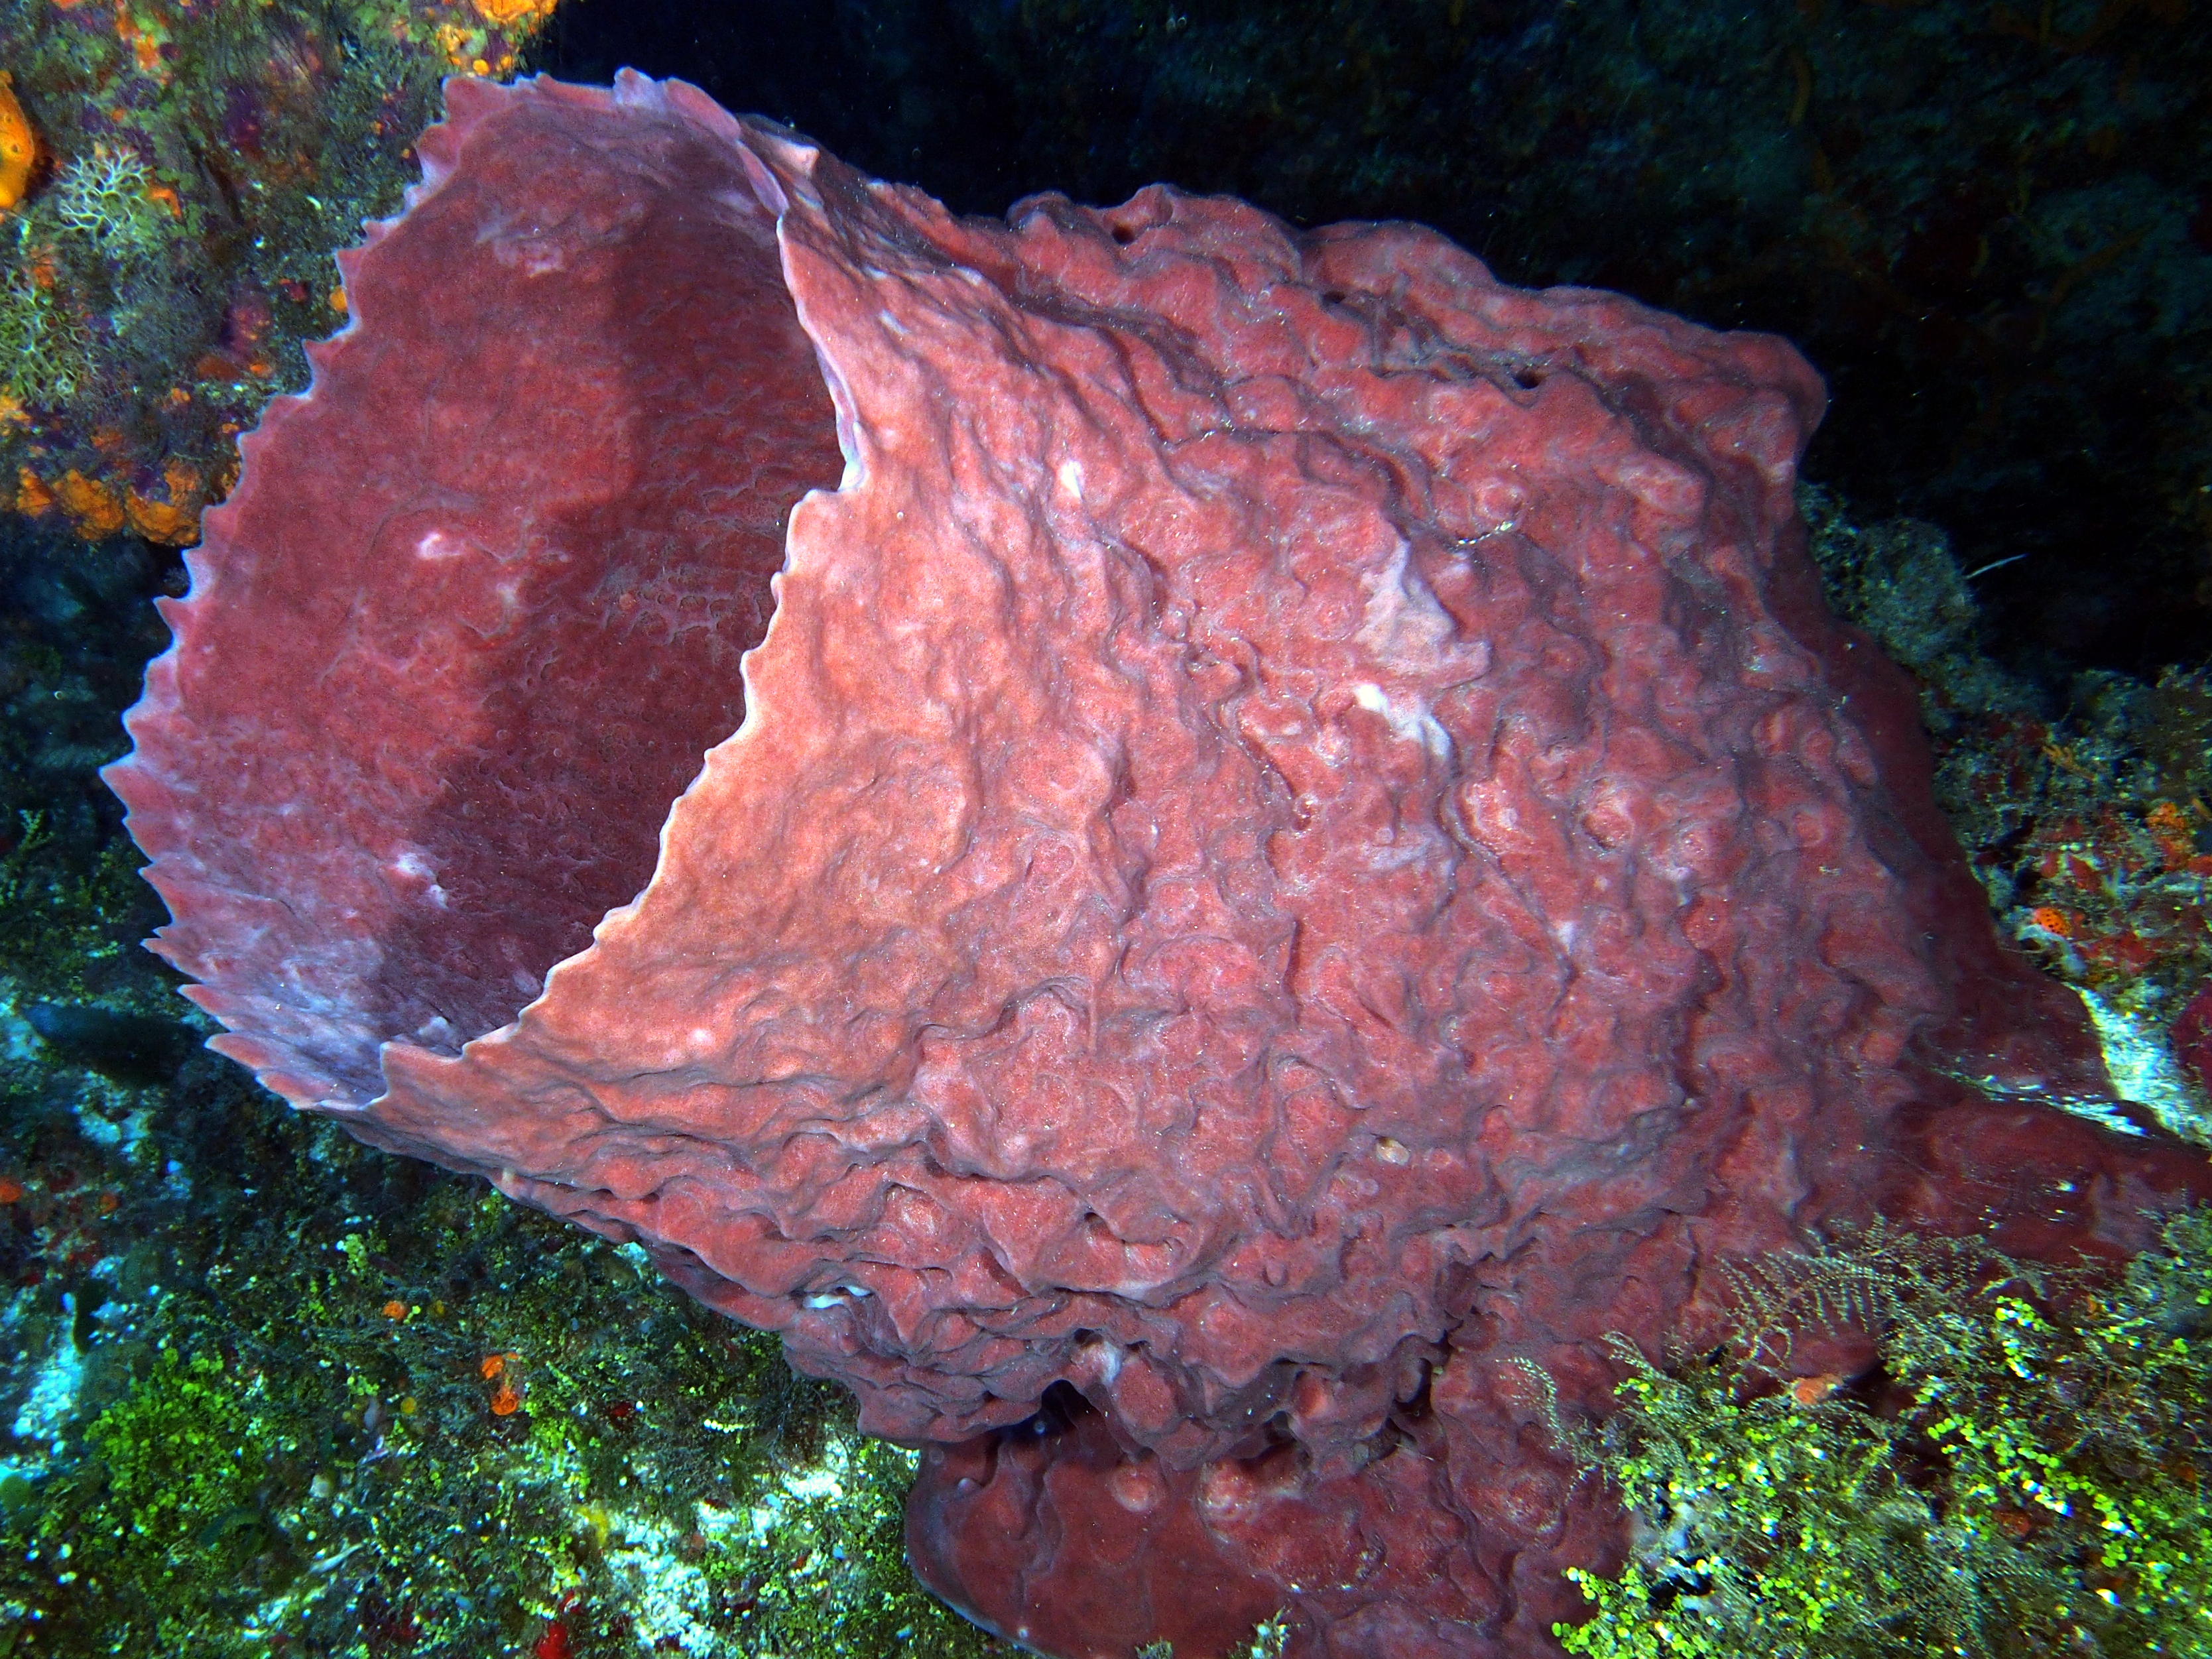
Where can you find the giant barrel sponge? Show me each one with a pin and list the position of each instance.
(1282, 831)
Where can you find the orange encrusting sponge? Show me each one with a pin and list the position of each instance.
(19, 146)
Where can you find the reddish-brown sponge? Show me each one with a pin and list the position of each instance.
(1282, 828)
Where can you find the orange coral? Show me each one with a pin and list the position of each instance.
(175, 522)
(1812, 1390)
(160, 521)
(2172, 833)
(506, 1398)
(504, 14)
(91, 505)
(32, 496)
(2052, 920)
(19, 146)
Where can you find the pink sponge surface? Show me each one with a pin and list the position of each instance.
(1281, 827)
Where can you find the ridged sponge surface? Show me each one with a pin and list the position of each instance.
(1256, 825)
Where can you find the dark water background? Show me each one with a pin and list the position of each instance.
(1991, 228)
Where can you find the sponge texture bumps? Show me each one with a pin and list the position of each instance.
(1282, 829)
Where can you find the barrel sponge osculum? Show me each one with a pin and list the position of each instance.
(1283, 828)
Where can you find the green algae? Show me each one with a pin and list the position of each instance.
(2026, 1466)
(290, 1439)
